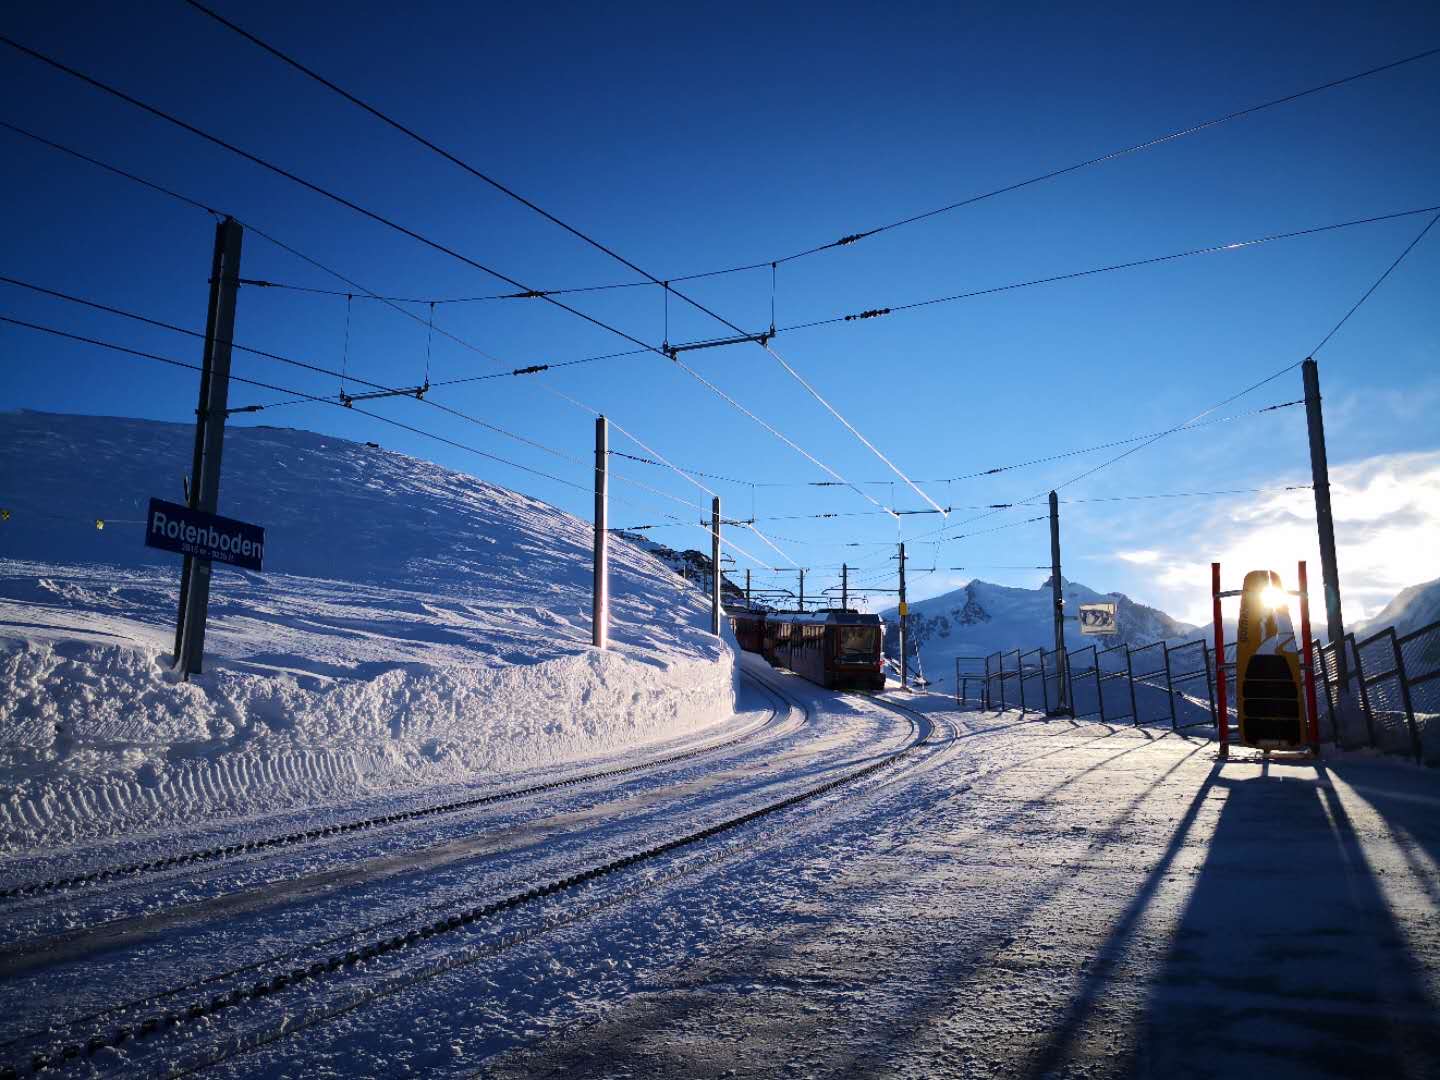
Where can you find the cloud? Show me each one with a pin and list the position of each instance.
(1387, 519)
(1144, 558)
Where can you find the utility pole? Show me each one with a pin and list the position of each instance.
(715, 565)
(1320, 480)
(600, 604)
(747, 587)
(1057, 591)
(802, 590)
(904, 618)
(209, 439)
(844, 587)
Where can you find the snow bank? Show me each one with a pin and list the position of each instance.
(446, 639)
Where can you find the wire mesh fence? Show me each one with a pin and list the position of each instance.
(1391, 686)
(1392, 682)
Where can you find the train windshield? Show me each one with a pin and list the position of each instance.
(859, 644)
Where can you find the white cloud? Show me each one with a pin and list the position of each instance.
(1144, 558)
(1387, 535)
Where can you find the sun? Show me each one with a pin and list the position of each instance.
(1272, 596)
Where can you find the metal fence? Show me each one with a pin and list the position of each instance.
(1393, 682)
(1392, 687)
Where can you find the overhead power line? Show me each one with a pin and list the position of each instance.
(321, 369)
(579, 234)
(852, 238)
(1210, 249)
(388, 222)
(245, 380)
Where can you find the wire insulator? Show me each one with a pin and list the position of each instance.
(873, 313)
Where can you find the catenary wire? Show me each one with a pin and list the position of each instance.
(851, 238)
(511, 193)
(1210, 249)
(371, 215)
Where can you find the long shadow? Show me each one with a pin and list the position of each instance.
(1287, 960)
(607, 1049)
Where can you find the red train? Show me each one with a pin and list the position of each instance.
(838, 649)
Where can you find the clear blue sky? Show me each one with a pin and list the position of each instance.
(694, 137)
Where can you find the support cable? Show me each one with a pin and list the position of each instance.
(850, 238)
(1209, 249)
(383, 220)
(511, 193)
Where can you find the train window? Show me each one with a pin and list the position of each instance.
(858, 644)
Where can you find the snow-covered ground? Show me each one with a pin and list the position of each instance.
(1017, 898)
(413, 626)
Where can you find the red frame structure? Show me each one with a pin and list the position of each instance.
(1307, 660)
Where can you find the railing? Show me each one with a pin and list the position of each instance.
(1392, 687)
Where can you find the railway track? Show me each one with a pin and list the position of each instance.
(272, 844)
(155, 1019)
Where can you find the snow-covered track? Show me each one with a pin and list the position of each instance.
(346, 828)
(150, 1019)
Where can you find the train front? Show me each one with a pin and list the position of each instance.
(857, 661)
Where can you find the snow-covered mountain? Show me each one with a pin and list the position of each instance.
(1417, 606)
(413, 624)
(982, 618)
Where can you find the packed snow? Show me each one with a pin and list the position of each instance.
(413, 625)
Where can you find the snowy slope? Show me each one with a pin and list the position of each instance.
(982, 618)
(1417, 606)
(413, 624)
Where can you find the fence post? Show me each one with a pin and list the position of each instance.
(1020, 667)
(1130, 673)
(1099, 686)
(1044, 689)
(1209, 681)
(1222, 706)
(1003, 704)
(1364, 690)
(1405, 696)
(1170, 687)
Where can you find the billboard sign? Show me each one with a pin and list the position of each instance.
(1098, 619)
(174, 527)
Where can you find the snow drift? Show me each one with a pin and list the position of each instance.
(414, 625)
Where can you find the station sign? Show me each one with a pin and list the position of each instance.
(175, 527)
(1098, 619)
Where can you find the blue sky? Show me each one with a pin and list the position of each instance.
(690, 138)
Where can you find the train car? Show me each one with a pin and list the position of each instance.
(838, 649)
(749, 628)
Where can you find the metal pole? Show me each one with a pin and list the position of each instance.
(600, 604)
(1222, 715)
(1313, 733)
(1320, 478)
(1405, 699)
(1130, 674)
(1062, 659)
(844, 586)
(715, 565)
(192, 488)
(1170, 688)
(904, 618)
(206, 484)
(802, 589)
(747, 588)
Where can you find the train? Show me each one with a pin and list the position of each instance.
(836, 648)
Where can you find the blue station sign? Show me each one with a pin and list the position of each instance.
(174, 527)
